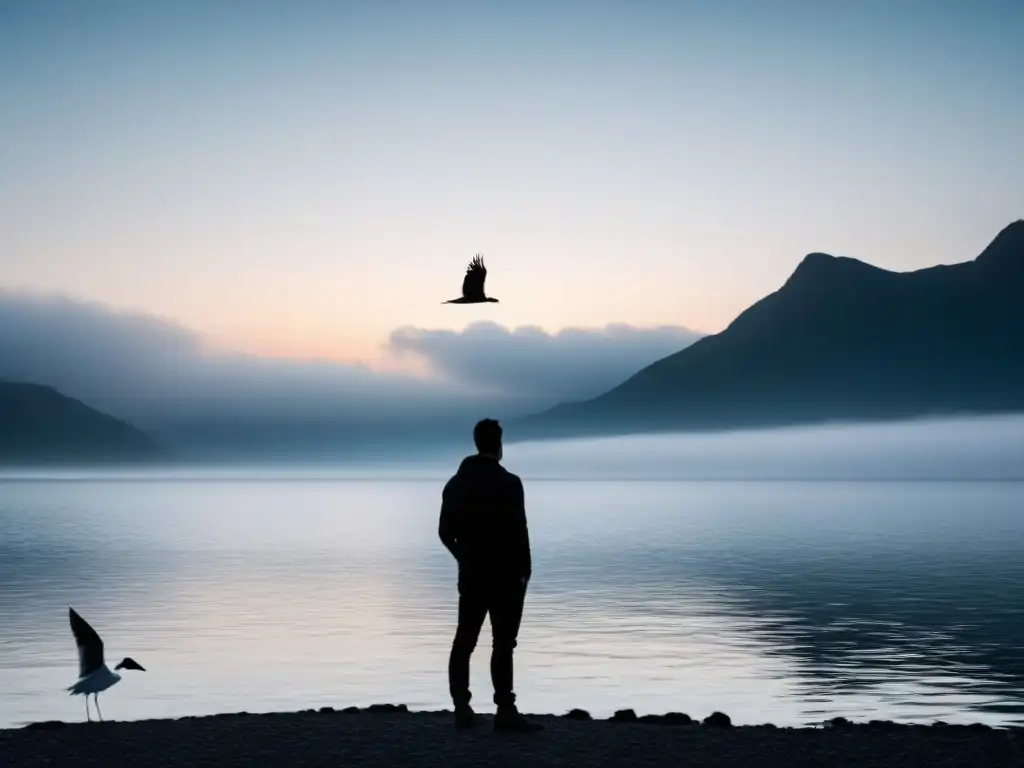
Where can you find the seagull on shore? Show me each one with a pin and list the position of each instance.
(473, 284)
(94, 675)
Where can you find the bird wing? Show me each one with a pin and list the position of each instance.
(90, 647)
(473, 283)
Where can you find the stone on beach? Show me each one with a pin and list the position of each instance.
(386, 735)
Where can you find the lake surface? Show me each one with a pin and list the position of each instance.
(782, 601)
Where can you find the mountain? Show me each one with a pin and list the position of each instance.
(840, 341)
(39, 425)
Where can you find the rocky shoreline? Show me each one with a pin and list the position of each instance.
(391, 735)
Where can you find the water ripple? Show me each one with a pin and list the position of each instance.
(782, 602)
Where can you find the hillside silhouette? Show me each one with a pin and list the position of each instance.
(840, 341)
(39, 425)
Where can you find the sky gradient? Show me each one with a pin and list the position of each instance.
(302, 178)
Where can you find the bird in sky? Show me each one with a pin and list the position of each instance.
(473, 284)
(94, 675)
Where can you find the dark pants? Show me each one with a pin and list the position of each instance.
(503, 600)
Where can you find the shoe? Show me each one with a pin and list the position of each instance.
(465, 717)
(511, 719)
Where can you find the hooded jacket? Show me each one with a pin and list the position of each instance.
(483, 521)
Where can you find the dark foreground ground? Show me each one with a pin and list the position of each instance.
(390, 736)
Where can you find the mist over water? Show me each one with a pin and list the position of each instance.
(936, 449)
(978, 448)
(784, 576)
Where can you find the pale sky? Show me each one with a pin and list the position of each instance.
(300, 178)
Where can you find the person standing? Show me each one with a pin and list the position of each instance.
(483, 525)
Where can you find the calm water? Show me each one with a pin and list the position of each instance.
(782, 601)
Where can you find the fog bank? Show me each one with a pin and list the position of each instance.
(982, 448)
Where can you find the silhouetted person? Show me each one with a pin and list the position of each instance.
(483, 524)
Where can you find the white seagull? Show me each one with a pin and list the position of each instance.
(93, 673)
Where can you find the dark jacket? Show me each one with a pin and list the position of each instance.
(483, 520)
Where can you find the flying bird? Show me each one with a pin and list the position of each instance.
(94, 675)
(473, 284)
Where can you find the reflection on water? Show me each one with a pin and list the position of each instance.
(786, 602)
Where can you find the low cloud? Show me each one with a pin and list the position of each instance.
(544, 368)
(158, 374)
(164, 377)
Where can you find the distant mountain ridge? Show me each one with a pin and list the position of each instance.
(841, 340)
(39, 425)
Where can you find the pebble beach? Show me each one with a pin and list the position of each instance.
(391, 735)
